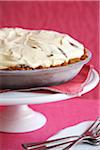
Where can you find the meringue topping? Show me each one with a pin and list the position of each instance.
(36, 48)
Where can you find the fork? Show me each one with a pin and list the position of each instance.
(30, 146)
(89, 139)
(91, 132)
(43, 147)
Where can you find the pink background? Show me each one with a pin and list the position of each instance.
(81, 21)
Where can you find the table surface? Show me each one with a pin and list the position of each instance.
(80, 20)
(59, 115)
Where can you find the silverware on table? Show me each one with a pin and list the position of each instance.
(93, 132)
(29, 146)
(90, 136)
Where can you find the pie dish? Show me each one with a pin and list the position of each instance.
(49, 58)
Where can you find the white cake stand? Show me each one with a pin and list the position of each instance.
(17, 117)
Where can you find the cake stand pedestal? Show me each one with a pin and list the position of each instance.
(18, 117)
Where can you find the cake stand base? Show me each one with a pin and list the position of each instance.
(17, 117)
(20, 118)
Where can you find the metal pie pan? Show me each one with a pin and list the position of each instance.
(40, 77)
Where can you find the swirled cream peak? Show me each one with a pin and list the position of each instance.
(36, 48)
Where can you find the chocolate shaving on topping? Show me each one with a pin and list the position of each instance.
(62, 52)
(73, 44)
(50, 55)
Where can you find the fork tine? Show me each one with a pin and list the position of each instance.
(98, 132)
(96, 128)
(93, 125)
(90, 129)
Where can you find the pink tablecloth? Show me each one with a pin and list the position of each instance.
(80, 20)
(60, 115)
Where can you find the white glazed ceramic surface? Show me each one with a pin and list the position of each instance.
(20, 119)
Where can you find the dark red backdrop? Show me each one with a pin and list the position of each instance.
(79, 19)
